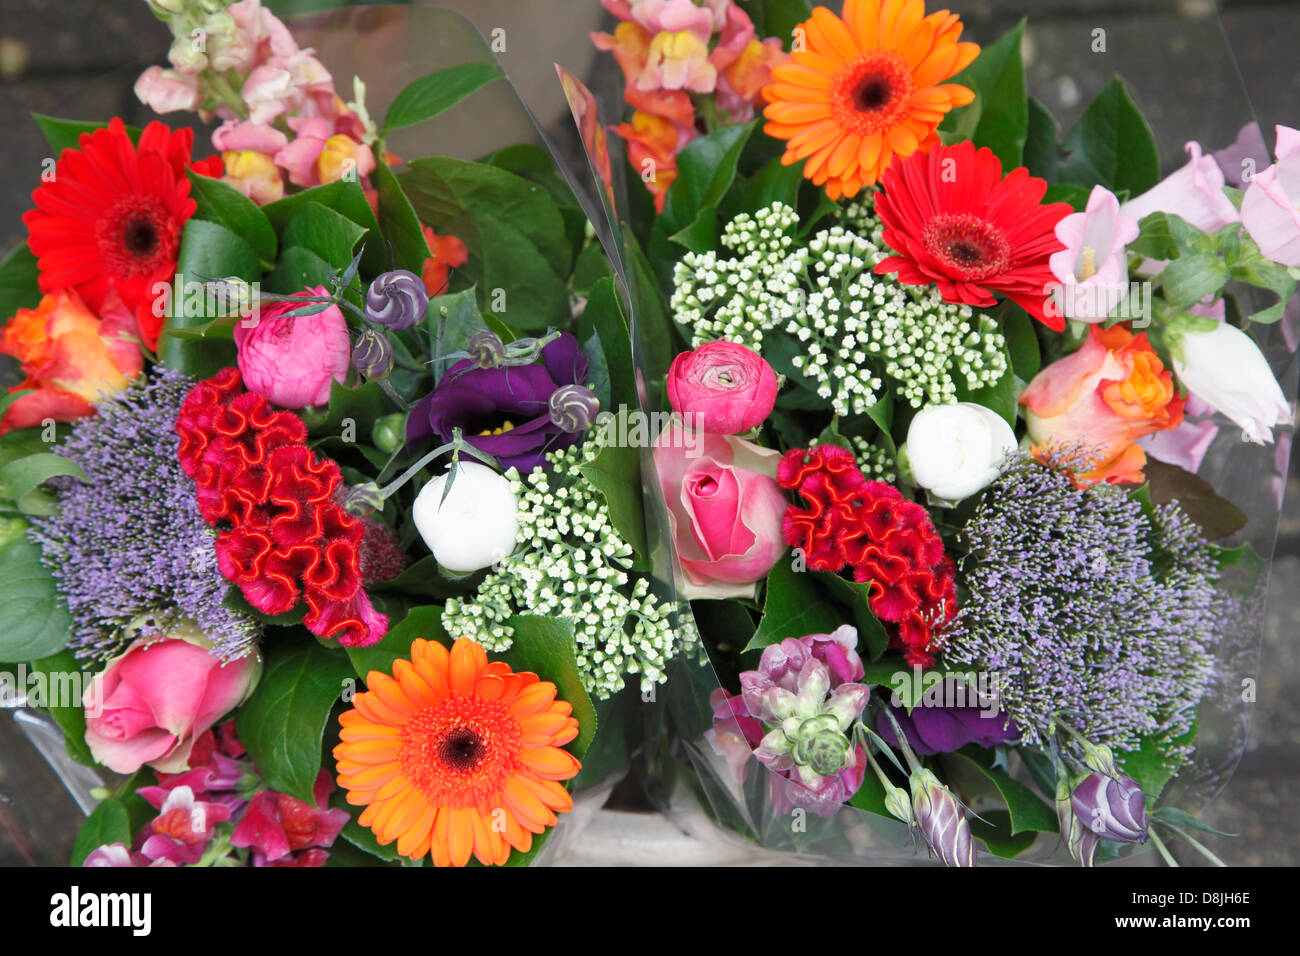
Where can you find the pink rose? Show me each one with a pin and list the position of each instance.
(726, 387)
(1269, 208)
(290, 360)
(725, 507)
(149, 705)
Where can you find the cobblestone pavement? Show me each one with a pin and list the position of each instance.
(79, 59)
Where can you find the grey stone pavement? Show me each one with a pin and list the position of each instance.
(79, 59)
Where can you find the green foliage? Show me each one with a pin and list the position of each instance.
(999, 116)
(1112, 145)
(33, 621)
(437, 92)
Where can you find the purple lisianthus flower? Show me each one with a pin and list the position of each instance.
(935, 728)
(504, 411)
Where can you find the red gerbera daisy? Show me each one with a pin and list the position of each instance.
(111, 218)
(954, 221)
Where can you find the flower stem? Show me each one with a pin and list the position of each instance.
(1164, 851)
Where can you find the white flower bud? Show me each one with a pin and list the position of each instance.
(956, 450)
(478, 523)
(1223, 367)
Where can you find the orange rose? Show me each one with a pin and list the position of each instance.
(71, 357)
(1111, 392)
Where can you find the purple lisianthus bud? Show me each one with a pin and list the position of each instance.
(941, 820)
(397, 300)
(1113, 808)
(372, 355)
(486, 350)
(1079, 840)
(573, 408)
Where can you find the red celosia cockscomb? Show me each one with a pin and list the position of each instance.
(283, 538)
(888, 541)
(954, 221)
(111, 218)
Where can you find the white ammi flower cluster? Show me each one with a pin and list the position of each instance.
(849, 325)
(571, 562)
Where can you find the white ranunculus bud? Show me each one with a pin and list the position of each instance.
(956, 450)
(1223, 367)
(476, 526)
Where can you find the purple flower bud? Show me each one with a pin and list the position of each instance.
(573, 408)
(486, 350)
(1112, 808)
(397, 300)
(372, 355)
(1079, 840)
(941, 820)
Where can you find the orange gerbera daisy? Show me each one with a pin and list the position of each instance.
(453, 756)
(865, 89)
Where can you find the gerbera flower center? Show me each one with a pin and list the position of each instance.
(137, 235)
(969, 247)
(460, 751)
(873, 92)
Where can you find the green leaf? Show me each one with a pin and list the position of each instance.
(1022, 341)
(1112, 145)
(430, 95)
(283, 723)
(653, 329)
(872, 637)
(999, 116)
(33, 621)
(19, 287)
(326, 232)
(871, 797)
(997, 835)
(794, 606)
(1247, 264)
(1028, 810)
(1155, 237)
(399, 223)
(1188, 279)
(1042, 151)
(1184, 820)
(518, 249)
(108, 823)
(616, 473)
(1149, 766)
(777, 18)
(227, 206)
(345, 197)
(1217, 517)
(299, 268)
(64, 134)
(545, 646)
(208, 251)
(71, 719)
(772, 183)
(603, 317)
(422, 621)
(21, 480)
(706, 168)
(360, 406)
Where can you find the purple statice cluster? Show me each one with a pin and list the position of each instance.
(127, 546)
(1088, 608)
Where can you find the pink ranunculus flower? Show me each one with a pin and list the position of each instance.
(1194, 193)
(167, 91)
(1092, 268)
(1270, 209)
(722, 387)
(158, 697)
(290, 360)
(725, 508)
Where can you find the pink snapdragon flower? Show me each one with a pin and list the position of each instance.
(184, 824)
(276, 825)
(168, 91)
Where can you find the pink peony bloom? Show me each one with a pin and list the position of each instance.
(167, 91)
(290, 360)
(157, 698)
(1194, 193)
(1092, 268)
(276, 824)
(725, 508)
(722, 387)
(1269, 209)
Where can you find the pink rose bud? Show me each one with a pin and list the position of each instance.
(725, 507)
(290, 360)
(151, 704)
(722, 387)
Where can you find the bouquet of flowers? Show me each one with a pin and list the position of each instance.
(308, 507)
(952, 399)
